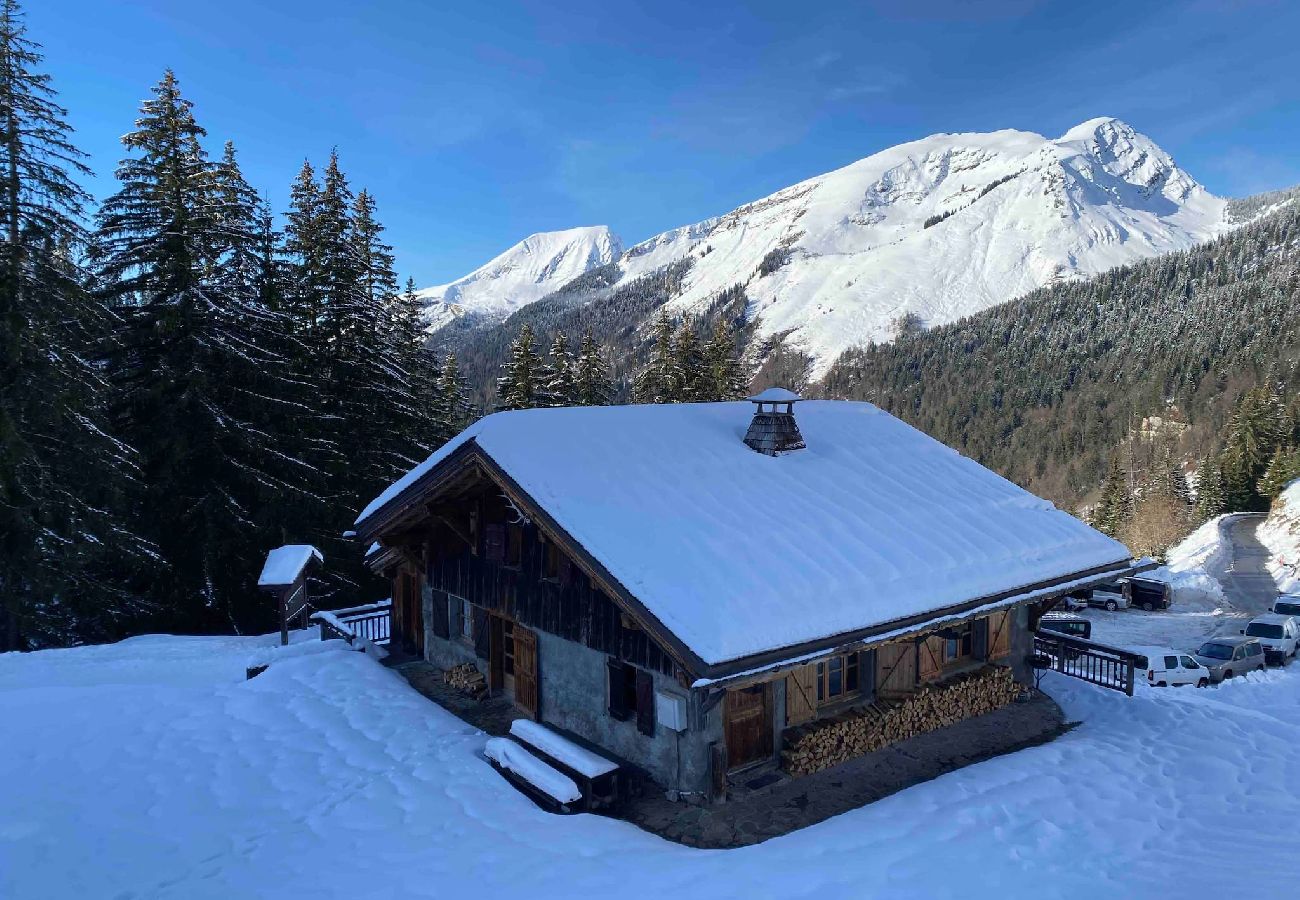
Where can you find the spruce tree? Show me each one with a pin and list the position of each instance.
(591, 379)
(656, 384)
(689, 379)
(64, 545)
(518, 388)
(1211, 492)
(455, 411)
(724, 379)
(197, 366)
(1283, 468)
(561, 386)
(1115, 507)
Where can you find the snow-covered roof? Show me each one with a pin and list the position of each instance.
(775, 395)
(737, 553)
(285, 564)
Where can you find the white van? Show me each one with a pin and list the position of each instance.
(1278, 634)
(1287, 605)
(1164, 667)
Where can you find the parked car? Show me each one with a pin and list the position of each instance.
(1278, 634)
(1149, 593)
(1066, 623)
(1230, 656)
(1287, 605)
(1110, 596)
(1169, 668)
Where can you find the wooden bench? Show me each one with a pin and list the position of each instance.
(599, 779)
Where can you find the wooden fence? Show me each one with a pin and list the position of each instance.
(1099, 664)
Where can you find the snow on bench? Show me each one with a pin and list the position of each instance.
(561, 749)
(514, 758)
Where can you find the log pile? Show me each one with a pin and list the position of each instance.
(467, 679)
(829, 742)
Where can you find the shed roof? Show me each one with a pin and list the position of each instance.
(737, 553)
(285, 564)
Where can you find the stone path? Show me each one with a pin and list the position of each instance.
(794, 803)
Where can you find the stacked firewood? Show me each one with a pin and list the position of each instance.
(467, 679)
(829, 742)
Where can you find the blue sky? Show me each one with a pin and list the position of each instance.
(477, 123)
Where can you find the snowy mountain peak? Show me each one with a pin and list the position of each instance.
(536, 266)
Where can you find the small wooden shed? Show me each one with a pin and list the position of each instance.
(285, 576)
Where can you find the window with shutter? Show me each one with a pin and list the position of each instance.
(801, 695)
(999, 628)
(617, 673)
(645, 703)
(494, 543)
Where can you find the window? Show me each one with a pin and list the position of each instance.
(837, 678)
(508, 646)
(622, 689)
(959, 645)
(1171, 662)
(466, 630)
(514, 544)
(1189, 663)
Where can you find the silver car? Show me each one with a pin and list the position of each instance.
(1229, 656)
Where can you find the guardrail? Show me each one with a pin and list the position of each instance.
(1099, 664)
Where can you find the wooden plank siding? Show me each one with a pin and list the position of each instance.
(568, 605)
(896, 669)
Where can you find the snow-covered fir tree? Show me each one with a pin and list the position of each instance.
(66, 545)
(592, 383)
(561, 385)
(196, 365)
(519, 387)
(724, 376)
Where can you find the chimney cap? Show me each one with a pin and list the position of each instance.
(776, 395)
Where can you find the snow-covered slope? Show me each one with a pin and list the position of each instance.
(939, 228)
(151, 768)
(1021, 211)
(1280, 533)
(531, 269)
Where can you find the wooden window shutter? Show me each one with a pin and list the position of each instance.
(645, 702)
(896, 668)
(438, 615)
(930, 651)
(494, 543)
(801, 694)
(527, 690)
(617, 689)
(999, 628)
(482, 634)
(980, 638)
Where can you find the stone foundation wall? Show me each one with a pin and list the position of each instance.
(829, 742)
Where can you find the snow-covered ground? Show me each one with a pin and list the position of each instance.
(151, 768)
(1280, 533)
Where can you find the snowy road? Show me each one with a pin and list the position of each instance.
(1246, 579)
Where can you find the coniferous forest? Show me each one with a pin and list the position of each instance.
(185, 383)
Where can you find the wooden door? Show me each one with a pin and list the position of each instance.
(414, 613)
(525, 663)
(748, 725)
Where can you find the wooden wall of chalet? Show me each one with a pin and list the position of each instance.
(559, 599)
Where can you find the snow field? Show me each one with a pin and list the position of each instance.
(1280, 533)
(151, 768)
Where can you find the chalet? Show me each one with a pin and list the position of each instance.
(699, 588)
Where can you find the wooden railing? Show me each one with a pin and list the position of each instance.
(371, 622)
(1099, 664)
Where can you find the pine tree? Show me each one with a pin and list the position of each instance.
(656, 384)
(688, 369)
(1115, 507)
(591, 379)
(724, 379)
(518, 388)
(1283, 468)
(1211, 491)
(561, 386)
(303, 251)
(63, 542)
(197, 368)
(1255, 430)
(455, 412)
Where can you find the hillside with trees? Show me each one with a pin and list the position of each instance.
(1142, 368)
